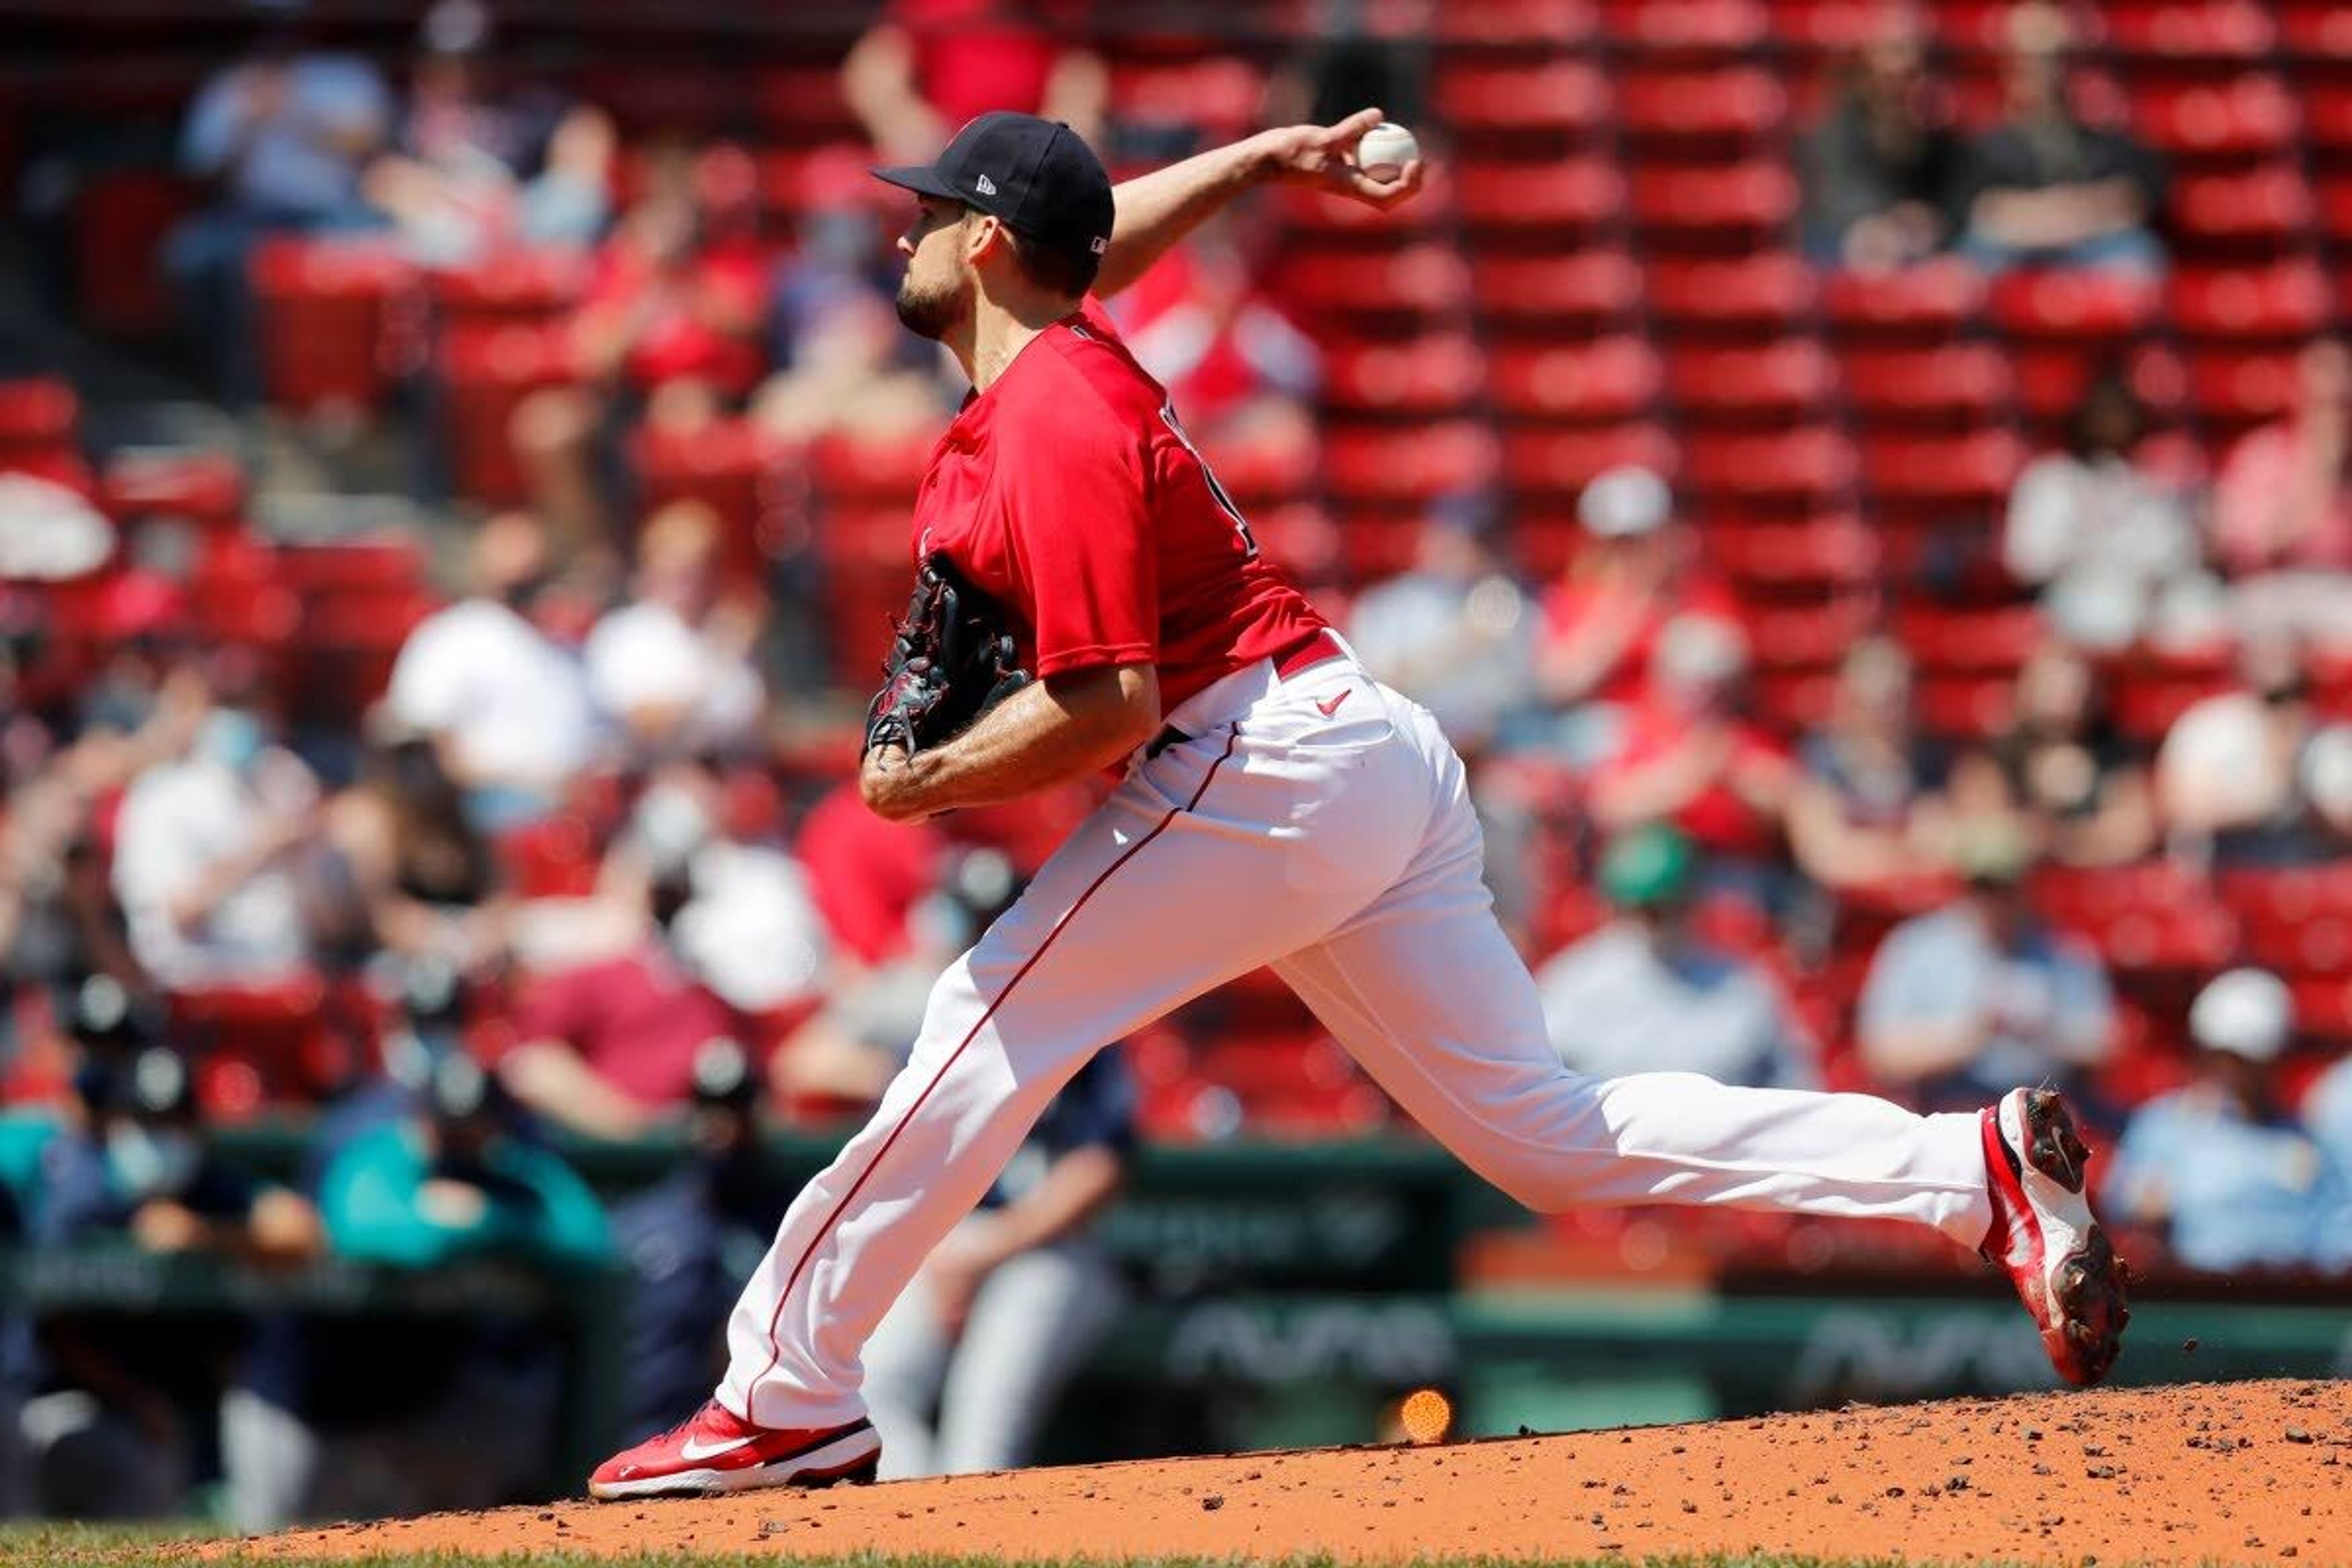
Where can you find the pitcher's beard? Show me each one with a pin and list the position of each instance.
(927, 315)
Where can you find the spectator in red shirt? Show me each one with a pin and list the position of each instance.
(1691, 756)
(669, 329)
(2282, 518)
(1634, 573)
(926, 67)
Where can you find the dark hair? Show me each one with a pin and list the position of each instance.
(2109, 391)
(1054, 272)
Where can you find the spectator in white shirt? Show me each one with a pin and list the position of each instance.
(507, 702)
(209, 858)
(673, 667)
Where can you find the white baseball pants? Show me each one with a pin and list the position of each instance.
(1321, 824)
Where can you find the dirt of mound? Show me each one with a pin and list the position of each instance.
(2243, 1472)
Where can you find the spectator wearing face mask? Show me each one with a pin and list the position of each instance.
(507, 703)
(128, 1400)
(1647, 993)
(210, 857)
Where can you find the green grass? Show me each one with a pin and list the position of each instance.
(97, 1546)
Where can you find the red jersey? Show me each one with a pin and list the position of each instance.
(1070, 493)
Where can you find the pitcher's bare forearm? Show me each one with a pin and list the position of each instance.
(1049, 732)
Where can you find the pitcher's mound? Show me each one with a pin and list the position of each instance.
(2237, 1472)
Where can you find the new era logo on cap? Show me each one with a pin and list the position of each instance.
(1042, 180)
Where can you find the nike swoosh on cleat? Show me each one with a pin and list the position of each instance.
(693, 1449)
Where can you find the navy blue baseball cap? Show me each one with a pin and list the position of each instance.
(1037, 175)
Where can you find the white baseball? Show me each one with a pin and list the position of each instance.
(1385, 150)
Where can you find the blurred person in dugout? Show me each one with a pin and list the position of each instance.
(668, 335)
(471, 170)
(2221, 1167)
(1636, 571)
(2111, 547)
(507, 703)
(390, 1422)
(672, 666)
(1880, 171)
(2047, 188)
(1648, 994)
(215, 850)
(280, 137)
(126, 1415)
(926, 66)
(2282, 515)
(2252, 776)
(1982, 991)
(842, 365)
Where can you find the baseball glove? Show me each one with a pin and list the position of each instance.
(950, 661)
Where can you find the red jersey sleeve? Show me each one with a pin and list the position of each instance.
(1080, 522)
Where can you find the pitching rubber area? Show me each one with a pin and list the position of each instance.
(2038, 1479)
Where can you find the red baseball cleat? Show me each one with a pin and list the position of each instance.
(2042, 1232)
(713, 1451)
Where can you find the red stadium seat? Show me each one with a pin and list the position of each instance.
(2051, 380)
(1787, 380)
(2289, 300)
(1579, 195)
(1441, 373)
(2209, 37)
(1923, 302)
(1765, 294)
(120, 220)
(2318, 35)
(1605, 380)
(1973, 470)
(1801, 558)
(37, 418)
(2251, 116)
(1739, 104)
(206, 488)
(1756, 198)
(325, 312)
(488, 371)
(859, 471)
(1956, 381)
(1809, 637)
(1811, 467)
(2336, 208)
(2073, 304)
(737, 469)
(1562, 462)
(512, 286)
(1514, 23)
(1589, 290)
(2238, 386)
(1559, 97)
(1691, 28)
(1420, 279)
(2270, 206)
(2327, 110)
(1216, 96)
(1972, 641)
(801, 104)
(1373, 466)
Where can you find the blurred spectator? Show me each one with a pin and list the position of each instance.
(130, 1400)
(2328, 1112)
(926, 66)
(419, 875)
(1647, 993)
(748, 928)
(282, 137)
(2282, 516)
(1634, 573)
(673, 665)
(470, 171)
(1690, 755)
(1236, 366)
(1963, 1004)
(212, 857)
(2047, 189)
(453, 1180)
(693, 1240)
(669, 331)
(1880, 171)
(509, 706)
(1455, 631)
(843, 363)
(2067, 768)
(1867, 809)
(2231, 1179)
(964, 1370)
(867, 875)
(2111, 547)
(2250, 776)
